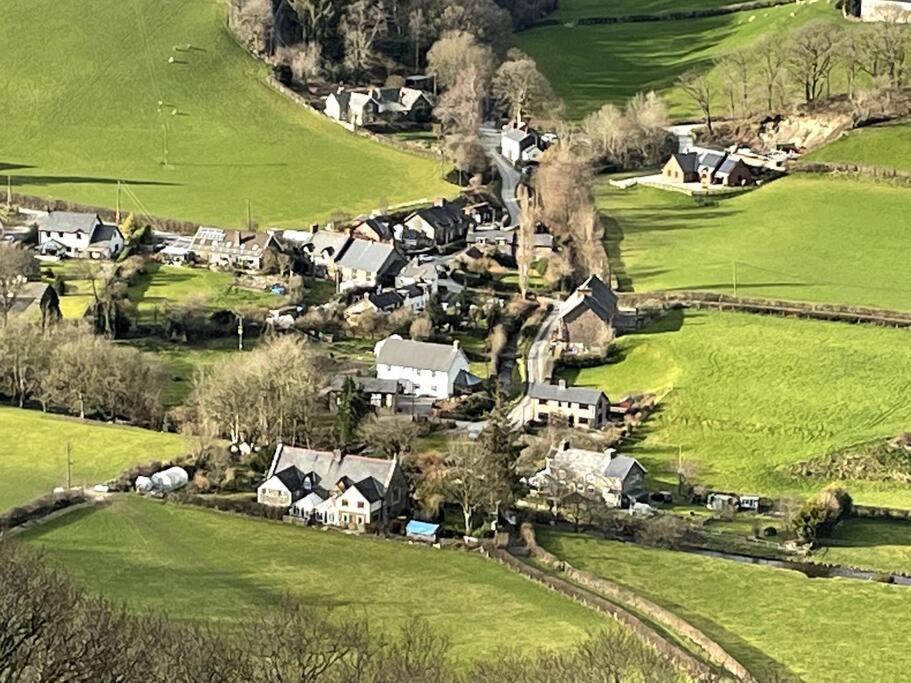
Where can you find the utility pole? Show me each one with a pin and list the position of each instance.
(164, 131)
(734, 264)
(240, 332)
(69, 466)
(9, 191)
(117, 218)
(249, 217)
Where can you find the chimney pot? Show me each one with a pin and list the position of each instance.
(314, 228)
(562, 384)
(564, 445)
(455, 344)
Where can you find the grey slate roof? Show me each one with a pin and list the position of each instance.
(414, 354)
(554, 392)
(68, 221)
(687, 161)
(583, 461)
(328, 468)
(372, 257)
(711, 160)
(369, 489)
(727, 166)
(369, 385)
(593, 294)
(387, 300)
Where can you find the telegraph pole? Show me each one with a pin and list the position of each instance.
(249, 217)
(69, 466)
(117, 219)
(9, 191)
(734, 265)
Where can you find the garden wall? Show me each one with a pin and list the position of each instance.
(872, 172)
(713, 650)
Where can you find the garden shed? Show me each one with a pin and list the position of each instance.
(422, 531)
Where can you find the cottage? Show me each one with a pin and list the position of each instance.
(585, 319)
(333, 488)
(365, 106)
(709, 167)
(575, 406)
(380, 301)
(373, 230)
(239, 249)
(417, 273)
(681, 168)
(733, 172)
(443, 225)
(382, 394)
(324, 247)
(367, 264)
(436, 370)
(615, 479)
(79, 235)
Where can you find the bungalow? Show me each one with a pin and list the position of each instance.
(575, 406)
(233, 248)
(443, 225)
(333, 488)
(382, 394)
(435, 370)
(80, 235)
(607, 476)
(367, 264)
(681, 168)
(585, 319)
(417, 273)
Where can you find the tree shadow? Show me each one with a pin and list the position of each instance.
(43, 180)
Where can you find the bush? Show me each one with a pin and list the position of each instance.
(243, 507)
(819, 515)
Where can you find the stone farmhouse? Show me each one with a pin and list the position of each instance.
(708, 167)
(585, 320)
(334, 489)
(434, 370)
(574, 406)
(77, 235)
(607, 476)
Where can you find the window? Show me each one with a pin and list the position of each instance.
(360, 505)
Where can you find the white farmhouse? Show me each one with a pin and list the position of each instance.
(518, 144)
(81, 235)
(434, 370)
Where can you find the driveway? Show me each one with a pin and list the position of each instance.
(490, 139)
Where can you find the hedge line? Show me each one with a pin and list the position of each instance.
(40, 507)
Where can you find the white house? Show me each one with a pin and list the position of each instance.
(518, 144)
(435, 370)
(368, 264)
(333, 488)
(81, 235)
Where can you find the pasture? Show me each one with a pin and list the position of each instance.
(571, 10)
(780, 624)
(589, 66)
(194, 138)
(804, 237)
(747, 396)
(33, 452)
(880, 544)
(883, 146)
(222, 567)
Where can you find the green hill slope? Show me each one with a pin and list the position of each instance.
(79, 110)
(884, 146)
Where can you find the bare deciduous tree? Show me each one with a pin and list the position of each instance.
(362, 23)
(811, 56)
(454, 54)
(17, 266)
(521, 89)
(698, 86)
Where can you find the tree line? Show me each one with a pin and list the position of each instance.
(805, 68)
(52, 630)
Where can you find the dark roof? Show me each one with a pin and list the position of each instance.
(387, 300)
(411, 291)
(105, 233)
(687, 162)
(369, 385)
(593, 294)
(369, 489)
(554, 392)
(379, 228)
(291, 478)
(447, 215)
(328, 468)
(711, 160)
(68, 221)
(728, 166)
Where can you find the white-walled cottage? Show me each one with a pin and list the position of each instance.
(435, 370)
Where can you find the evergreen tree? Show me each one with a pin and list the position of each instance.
(352, 407)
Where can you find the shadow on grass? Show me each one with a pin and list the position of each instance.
(42, 180)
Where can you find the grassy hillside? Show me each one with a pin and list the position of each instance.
(803, 237)
(781, 625)
(591, 65)
(886, 146)
(570, 10)
(747, 396)
(79, 110)
(33, 452)
(216, 566)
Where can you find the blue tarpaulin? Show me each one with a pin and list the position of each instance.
(421, 529)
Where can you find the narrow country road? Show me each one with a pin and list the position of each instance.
(538, 367)
(490, 139)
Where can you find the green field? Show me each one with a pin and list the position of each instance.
(217, 566)
(809, 238)
(884, 146)
(570, 10)
(591, 65)
(84, 113)
(780, 624)
(747, 396)
(33, 452)
(880, 544)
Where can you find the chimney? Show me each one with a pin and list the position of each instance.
(562, 384)
(439, 202)
(611, 453)
(314, 228)
(455, 344)
(337, 455)
(563, 446)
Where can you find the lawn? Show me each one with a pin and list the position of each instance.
(809, 238)
(216, 566)
(82, 112)
(747, 396)
(885, 146)
(571, 10)
(33, 452)
(880, 544)
(591, 65)
(780, 624)
(77, 295)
